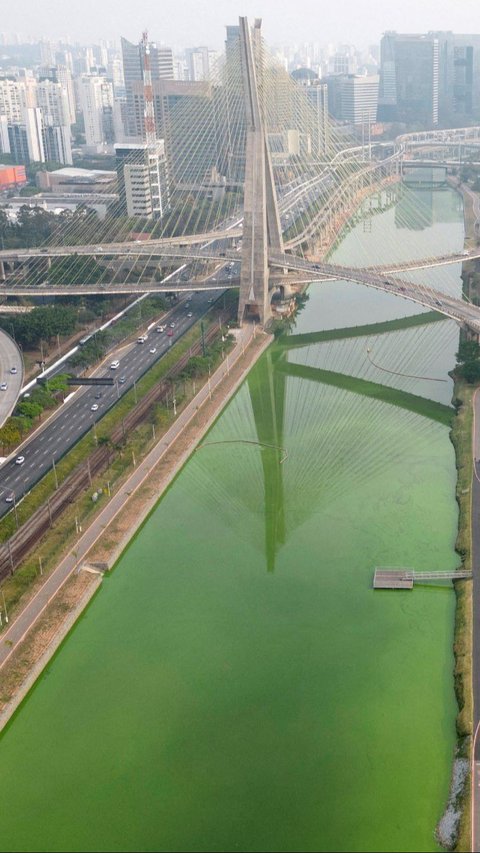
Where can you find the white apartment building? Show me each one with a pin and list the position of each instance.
(52, 99)
(96, 103)
(13, 100)
(143, 179)
(32, 119)
(360, 98)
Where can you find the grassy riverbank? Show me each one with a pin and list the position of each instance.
(461, 436)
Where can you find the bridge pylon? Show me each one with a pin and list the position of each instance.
(261, 219)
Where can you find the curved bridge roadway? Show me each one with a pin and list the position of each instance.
(462, 312)
(10, 357)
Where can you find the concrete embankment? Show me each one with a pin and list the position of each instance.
(113, 528)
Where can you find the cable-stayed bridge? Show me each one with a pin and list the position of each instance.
(283, 182)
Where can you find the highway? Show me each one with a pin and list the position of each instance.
(75, 418)
(10, 357)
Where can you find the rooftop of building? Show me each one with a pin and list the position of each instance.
(87, 174)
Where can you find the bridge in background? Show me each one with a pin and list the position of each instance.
(262, 237)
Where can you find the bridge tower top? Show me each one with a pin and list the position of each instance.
(261, 220)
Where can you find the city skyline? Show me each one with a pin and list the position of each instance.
(361, 22)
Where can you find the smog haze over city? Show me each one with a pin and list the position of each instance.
(188, 22)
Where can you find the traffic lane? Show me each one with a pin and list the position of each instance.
(10, 357)
(72, 423)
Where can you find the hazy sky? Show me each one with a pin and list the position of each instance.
(197, 22)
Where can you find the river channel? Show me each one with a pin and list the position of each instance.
(236, 683)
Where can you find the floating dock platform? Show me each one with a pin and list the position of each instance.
(404, 578)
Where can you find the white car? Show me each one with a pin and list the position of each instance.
(153, 350)
(13, 369)
(19, 460)
(172, 325)
(189, 314)
(114, 365)
(94, 408)
(3, 386)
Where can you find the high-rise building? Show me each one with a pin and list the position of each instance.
(57, 145)
(13, 100)
(459, 79)
(358, 97)
(26, 138)
(317, 94)
(34, 126)
(96, 102)
(409, 79)
(143, 179)
(200, 61)
(233, 39)
(18, 143)
(52, 98)
(4, 140)
(161, 67)
(61, 74)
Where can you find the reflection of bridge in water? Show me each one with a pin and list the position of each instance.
(266, 496)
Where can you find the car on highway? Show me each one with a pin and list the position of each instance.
(169, 332)
(9, 499)
(3, 386)
(98, 395)
(189, 314)
(142, 339)
(160, 329)
(115, 365)
(122, 380)
(19, 460)
(172, 325)
(13, 369)
(153, 350)
(210, 300)
(94, 408)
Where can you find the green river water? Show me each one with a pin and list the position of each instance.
(236, 683)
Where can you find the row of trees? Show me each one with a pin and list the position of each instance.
(35, 226)
(468, 358)
(40, 324)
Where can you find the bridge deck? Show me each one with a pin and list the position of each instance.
(404, 578)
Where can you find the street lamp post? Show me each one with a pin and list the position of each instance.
(15, 508)
(5, 607)
(55, 472)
